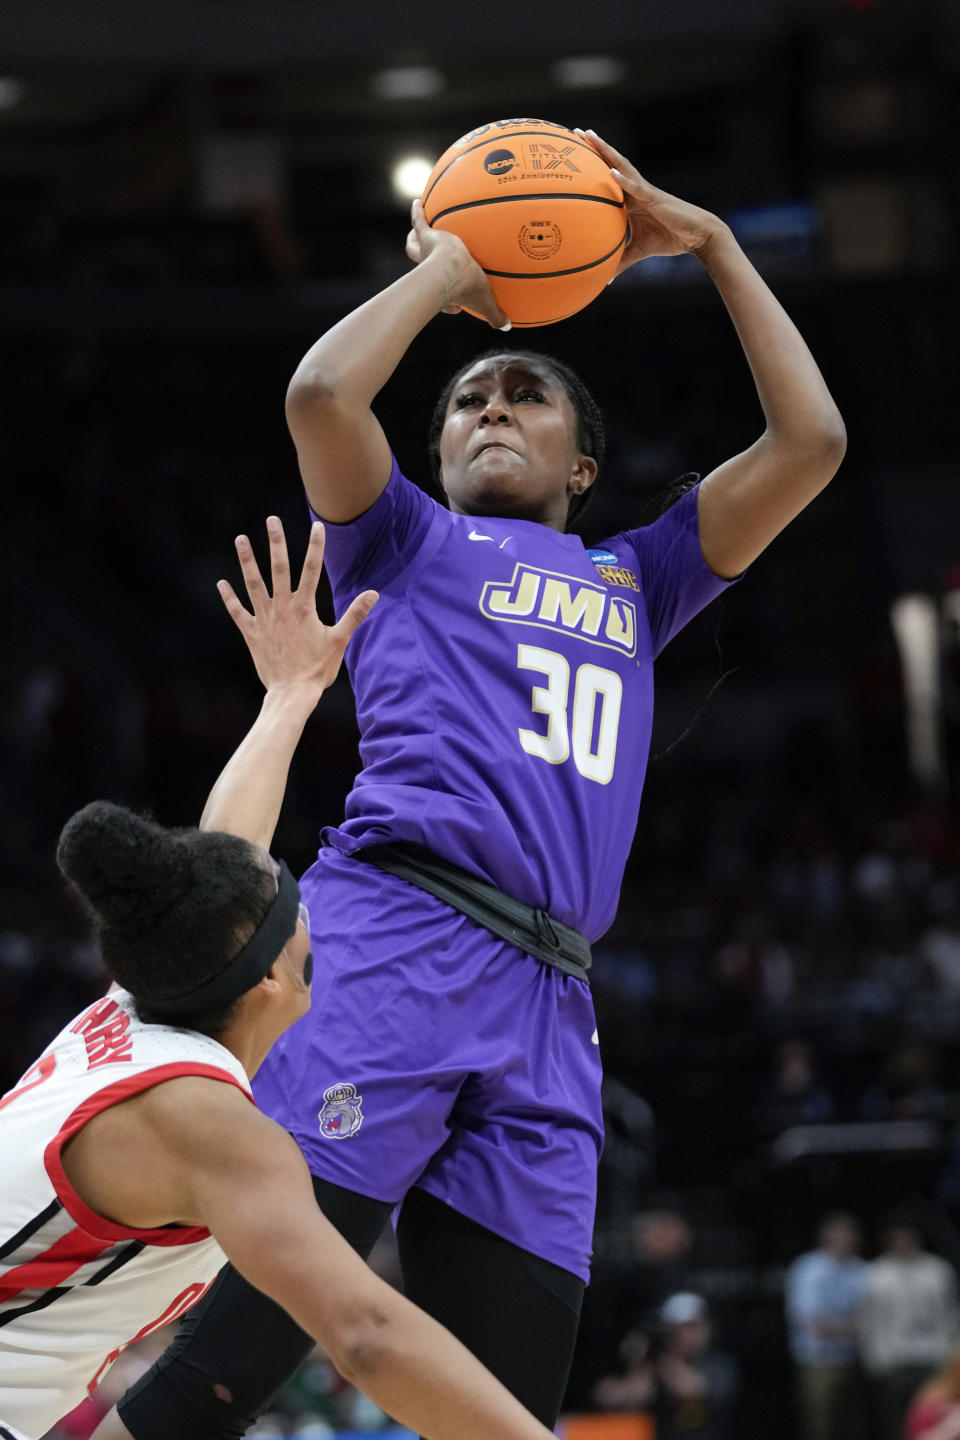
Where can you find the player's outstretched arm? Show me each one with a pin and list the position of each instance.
(296, 657)
(748, 499)
(343, 453)
(222, 1164)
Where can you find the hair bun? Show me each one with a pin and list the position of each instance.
(128, 869)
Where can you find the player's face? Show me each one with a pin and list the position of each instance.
(298, 959)
(509, 444)
(296, 955)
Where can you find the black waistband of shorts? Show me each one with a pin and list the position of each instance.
(525, 926)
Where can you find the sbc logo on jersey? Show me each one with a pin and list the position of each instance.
(340, 1114)
(618, 575)
(611, 570)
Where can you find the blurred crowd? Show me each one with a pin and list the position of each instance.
(772, 909)
(876, 1344)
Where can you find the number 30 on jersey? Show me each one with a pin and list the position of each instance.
(583, 728)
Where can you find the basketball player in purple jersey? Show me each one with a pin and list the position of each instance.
(504, 694)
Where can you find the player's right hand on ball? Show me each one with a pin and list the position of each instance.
(660, 224)
(467, 287)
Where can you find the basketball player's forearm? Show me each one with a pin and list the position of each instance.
(414, 1369)
(248, 794)
(354, 360)
(409, 1364)
(255, 1196)
(798, 407)
(423, 1377)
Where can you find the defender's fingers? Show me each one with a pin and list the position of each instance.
(240, 616)
(313, 561)
(256, 590)
(279, 559)
(357, 612)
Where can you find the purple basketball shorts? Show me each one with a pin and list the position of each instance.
(435, 1054)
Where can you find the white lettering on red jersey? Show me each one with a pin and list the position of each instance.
(76, 1289)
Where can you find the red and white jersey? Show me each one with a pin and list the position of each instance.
(76, 1289)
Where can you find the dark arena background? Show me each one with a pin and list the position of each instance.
(190, 194)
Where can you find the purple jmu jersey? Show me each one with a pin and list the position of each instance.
(504, 688)
(504, 692)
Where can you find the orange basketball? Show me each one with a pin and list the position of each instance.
(538, 209)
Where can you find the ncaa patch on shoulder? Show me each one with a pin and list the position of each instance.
(340, 1114)
(599, 556)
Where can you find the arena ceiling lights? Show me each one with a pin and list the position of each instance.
(407, 82)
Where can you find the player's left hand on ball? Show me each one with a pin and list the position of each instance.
(287, 640)
(660, 224)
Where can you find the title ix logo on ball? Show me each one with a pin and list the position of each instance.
(340, 1114)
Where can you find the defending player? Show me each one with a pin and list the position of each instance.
(131, 1148)
(504, 692)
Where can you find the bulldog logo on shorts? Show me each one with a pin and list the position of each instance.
(340, 1114)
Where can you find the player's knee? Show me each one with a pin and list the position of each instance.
(182, 1401)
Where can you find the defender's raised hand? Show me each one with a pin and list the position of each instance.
(287, 640)
(297, 657)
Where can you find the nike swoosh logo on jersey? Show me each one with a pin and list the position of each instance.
(475, 535)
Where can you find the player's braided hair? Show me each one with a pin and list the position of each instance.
(591, 437)
(171, 907)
